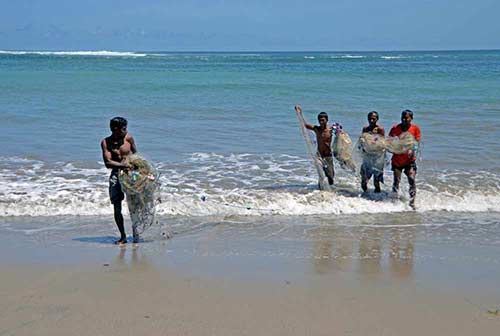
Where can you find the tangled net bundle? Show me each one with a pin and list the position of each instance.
(342, 151)
(372, 143)
(376, 144)
(141, 184)
(402, 144)
(372, 148)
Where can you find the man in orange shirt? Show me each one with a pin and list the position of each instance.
(406, 162)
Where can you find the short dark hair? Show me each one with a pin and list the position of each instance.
(118, 122)
(408, 112)
(323, 115)
(373, 112)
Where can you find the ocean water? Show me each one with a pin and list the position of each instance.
(223, 133)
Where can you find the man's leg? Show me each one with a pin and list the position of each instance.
(364, 178)
(411, 173)
(376, 182)
(397, 179)
(329, 170)
(117, 207)
(364, 183)
(116, 195)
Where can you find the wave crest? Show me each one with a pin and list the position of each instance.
(106, 53)
(207, 184)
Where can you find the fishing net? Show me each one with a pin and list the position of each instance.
(317, 162)
(141, 184)
(402, 144)
(375, 144)
(372, 148)
(372, 143)
(342, 150)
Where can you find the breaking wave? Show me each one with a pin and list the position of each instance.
(75, 53)
(208, 184)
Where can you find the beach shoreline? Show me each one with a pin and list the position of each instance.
(222, 281)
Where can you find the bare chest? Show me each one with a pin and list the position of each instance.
(119, 148)
(324, 135)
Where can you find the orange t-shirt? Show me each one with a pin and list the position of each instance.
(402, 160)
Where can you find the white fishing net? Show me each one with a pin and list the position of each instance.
(342, 150)
(375, 144)
(402, 144)
(141, 184)
(317, 161)
(372, 148)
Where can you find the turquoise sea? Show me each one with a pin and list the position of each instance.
(223, 133)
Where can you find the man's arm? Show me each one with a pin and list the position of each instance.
(381, 131)
(298, 109)
(131, 140)
(107, 157)
(393, 131)
(418, 134)
(416, 147)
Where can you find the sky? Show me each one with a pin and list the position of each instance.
(249, 25)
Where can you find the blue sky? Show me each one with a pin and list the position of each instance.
(258, 25)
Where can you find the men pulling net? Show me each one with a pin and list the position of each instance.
(141, 184)
(373, 149)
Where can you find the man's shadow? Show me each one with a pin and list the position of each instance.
(109, 240)
(104, 240)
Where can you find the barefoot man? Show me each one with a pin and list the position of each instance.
(406, 162)
(115, 148)
(324, 139)
(372, 164)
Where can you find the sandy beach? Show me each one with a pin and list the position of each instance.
(208, 94)
(216, 282)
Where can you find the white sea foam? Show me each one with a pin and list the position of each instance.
(249, 184)
(75, 53)
(350, 56)
(391, 57)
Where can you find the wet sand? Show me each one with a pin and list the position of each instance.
(221, 280)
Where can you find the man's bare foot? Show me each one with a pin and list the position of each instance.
(167, 234)
(121, 241)
(412, 204)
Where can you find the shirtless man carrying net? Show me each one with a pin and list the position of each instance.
(115, 149)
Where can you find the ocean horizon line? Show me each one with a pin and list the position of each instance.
(242, 51)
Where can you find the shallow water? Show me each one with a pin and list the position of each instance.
(450, 251)
(222, 130)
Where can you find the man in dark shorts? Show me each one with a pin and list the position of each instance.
(369, 167)
(324, 139)
(406, 162)
(115, 148)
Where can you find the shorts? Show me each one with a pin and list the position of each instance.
(406, 169)
(368, 170)
(116, 194)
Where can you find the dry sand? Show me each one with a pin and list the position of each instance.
(135, 298)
